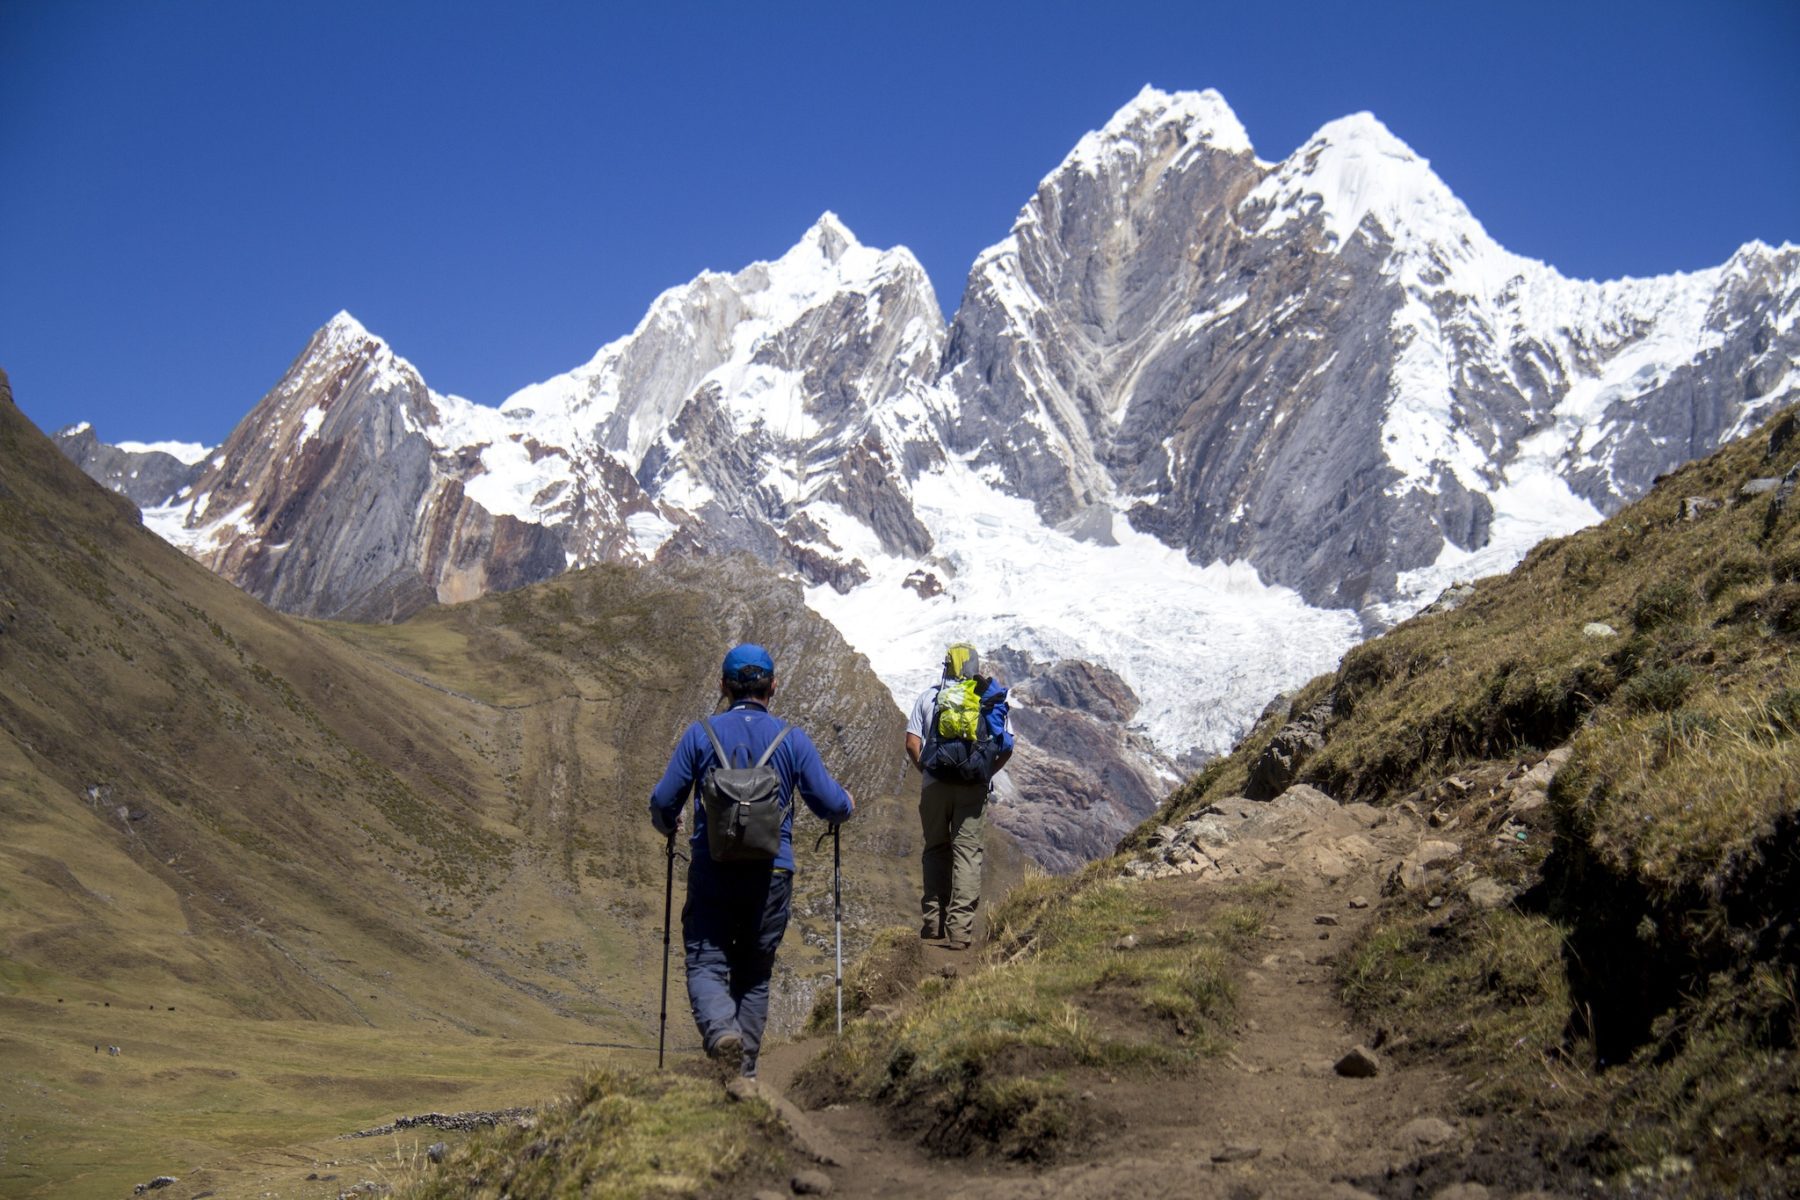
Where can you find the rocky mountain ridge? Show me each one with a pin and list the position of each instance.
(1319, 381)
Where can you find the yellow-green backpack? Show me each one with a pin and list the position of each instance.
(959, 710)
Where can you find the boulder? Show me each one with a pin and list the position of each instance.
(1758, 487)
(1279, 763)
(1461, 1191)
(1411, 876)
(1450, 599)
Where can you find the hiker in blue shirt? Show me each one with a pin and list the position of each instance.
(737, 911)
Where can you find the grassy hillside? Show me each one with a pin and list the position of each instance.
(1631, 1009)
(277, 861)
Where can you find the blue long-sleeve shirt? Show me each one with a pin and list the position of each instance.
(746, 730)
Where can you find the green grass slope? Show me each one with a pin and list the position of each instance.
(277, 861)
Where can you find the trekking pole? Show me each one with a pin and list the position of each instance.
(837, 909)
(668, 908)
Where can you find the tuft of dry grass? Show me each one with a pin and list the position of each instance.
(1081, 973)
(619, 1136)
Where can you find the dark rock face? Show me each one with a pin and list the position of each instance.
(865, 488)
(1087, 780)
(1082, 687)
(146, 478)
(1279, 764)
(1737, 376)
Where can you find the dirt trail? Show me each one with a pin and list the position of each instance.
(1270, 1119)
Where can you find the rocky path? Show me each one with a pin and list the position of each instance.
(1272, 1118)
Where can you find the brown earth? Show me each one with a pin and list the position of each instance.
(1271, 1118)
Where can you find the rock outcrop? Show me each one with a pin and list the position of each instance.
(1081, 779)
(148, 478)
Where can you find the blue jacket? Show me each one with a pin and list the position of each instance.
(746, 730)
(997, 716)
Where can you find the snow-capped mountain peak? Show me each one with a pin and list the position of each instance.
(1355, 169)
(343, 326)
(740, 337)
(1198, 120)
(345, 338)
(831, 235)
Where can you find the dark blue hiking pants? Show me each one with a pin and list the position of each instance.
(731, 924)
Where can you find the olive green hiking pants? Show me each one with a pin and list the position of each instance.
(951, 816)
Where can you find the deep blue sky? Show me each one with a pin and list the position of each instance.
(189, 188)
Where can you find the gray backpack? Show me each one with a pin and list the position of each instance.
(744, 812)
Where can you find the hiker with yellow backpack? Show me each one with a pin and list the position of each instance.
(959, 736)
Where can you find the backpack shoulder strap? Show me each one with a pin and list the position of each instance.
(718, 747)
(770, 752)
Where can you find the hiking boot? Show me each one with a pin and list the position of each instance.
(956, 943)
(728, 1053)
(931, 933)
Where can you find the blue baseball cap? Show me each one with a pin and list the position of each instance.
(747, 663)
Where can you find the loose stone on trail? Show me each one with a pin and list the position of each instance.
(1360, 1063)
(1236, 1153)
(1325, 919)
